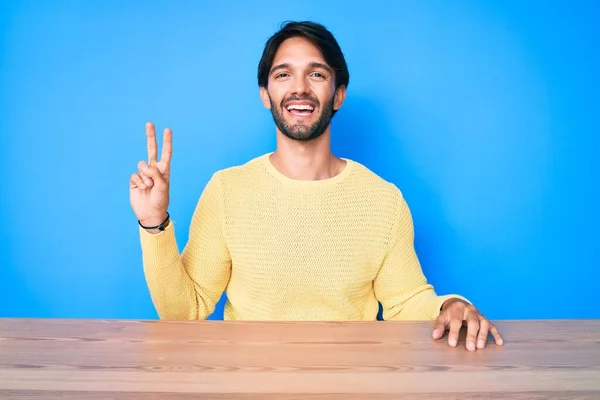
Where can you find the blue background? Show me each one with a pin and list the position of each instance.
(485, 115)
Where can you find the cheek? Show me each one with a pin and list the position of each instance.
(277, 93)
(324, 93)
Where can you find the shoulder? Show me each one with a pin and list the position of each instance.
(232, 179)
(239, 173)
(374, 183)
(384, 197)
(251, 166)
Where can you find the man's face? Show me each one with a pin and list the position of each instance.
(301, 90)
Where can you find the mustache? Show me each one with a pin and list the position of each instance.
(300, 98)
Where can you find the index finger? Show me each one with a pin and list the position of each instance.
(167, 149)
(151, 136)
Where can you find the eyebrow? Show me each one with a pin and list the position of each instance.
(321, 65)
(313, 64)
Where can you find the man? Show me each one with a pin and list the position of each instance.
(297, 234)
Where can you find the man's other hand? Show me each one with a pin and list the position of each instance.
(454, 314)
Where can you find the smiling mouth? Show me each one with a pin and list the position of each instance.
(300, 110)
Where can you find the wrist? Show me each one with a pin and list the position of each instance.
(449, 302)
(153, 220)
(155, 224)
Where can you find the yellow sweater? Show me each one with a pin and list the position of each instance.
(286, 249)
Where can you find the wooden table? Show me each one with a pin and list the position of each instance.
(99, 359)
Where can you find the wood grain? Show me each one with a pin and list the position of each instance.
(108, 359)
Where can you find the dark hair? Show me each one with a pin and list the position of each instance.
(318, 35)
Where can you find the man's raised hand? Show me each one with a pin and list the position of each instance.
(149, 187)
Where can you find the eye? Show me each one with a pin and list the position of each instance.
(281, 75)
(318, 75)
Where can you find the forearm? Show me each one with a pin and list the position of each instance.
(172, 290)
(401, 286)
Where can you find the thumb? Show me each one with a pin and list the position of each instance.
(153, 173)
(440, 327)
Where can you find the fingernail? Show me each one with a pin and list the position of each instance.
(500, 342)
(452, 342)
(471, 346)
(144, 167)
(147, 181)
(480, 344)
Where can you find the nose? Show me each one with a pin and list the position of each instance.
(300, 86)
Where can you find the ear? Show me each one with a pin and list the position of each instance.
(340, 96)
(264, 96)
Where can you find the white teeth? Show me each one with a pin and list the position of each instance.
(300, 107)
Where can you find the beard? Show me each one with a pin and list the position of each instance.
(300, 131)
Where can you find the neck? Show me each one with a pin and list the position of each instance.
(310, 160)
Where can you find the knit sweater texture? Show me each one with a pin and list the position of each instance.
(286, 249)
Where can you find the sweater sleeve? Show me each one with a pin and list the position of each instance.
(187, 287)
(400, 285)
